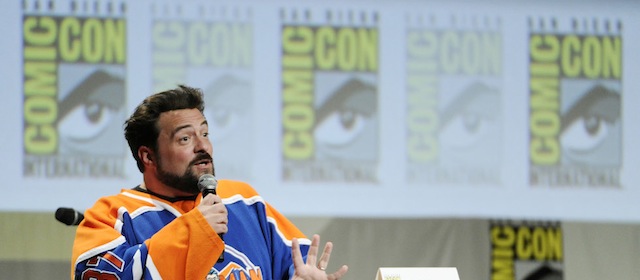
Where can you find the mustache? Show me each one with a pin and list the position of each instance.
(201, 156)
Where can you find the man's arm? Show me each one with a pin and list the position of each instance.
(107, 245)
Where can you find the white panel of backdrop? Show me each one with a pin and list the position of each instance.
(337, 108)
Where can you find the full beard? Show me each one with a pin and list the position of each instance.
(188, 181)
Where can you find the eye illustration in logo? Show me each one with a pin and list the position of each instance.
(346, 123)
(91, 116)
(228, 108)
(591, 129)
(544, 272)
(228, 112)
(471, 127)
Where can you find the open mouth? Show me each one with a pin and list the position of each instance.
(202, 162)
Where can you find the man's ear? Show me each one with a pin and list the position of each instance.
(146, 155)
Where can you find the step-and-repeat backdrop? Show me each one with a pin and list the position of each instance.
(350, 108)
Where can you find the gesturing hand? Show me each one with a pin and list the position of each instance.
(311, 270)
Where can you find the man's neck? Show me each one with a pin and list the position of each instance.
(142, 188)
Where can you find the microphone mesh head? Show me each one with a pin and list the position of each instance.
(67, 216)
(207, 181)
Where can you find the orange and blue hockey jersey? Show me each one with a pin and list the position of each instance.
(137, 235)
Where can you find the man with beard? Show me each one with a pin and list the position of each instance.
(164, 228)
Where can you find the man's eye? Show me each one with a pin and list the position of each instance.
(206, 134)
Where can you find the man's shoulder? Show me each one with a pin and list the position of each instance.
(228, 188)
(129, 198)
(112, 205)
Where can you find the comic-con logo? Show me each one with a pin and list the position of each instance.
(74, 96)
(329, 99)
(454, 111)
(575, 109)
(526, 250)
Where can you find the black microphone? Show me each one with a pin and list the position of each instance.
(207, 184)
(69, 216)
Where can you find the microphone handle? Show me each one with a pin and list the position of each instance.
(205, 192)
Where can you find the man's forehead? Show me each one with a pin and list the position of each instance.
(181, 118)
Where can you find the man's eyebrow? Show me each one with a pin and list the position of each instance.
(177, 129)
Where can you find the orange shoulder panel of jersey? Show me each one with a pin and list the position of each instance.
(228, 188)
(98, 226)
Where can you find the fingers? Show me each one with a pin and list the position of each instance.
(210, 199)
(339, 273)
(324, 258)
(312, 255)
(218, 222)
(312, 269)
(298, 263)
(313, 252)
(214, 202)
(326, 255)
(215, 212)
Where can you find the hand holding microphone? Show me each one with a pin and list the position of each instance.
(212, 207)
